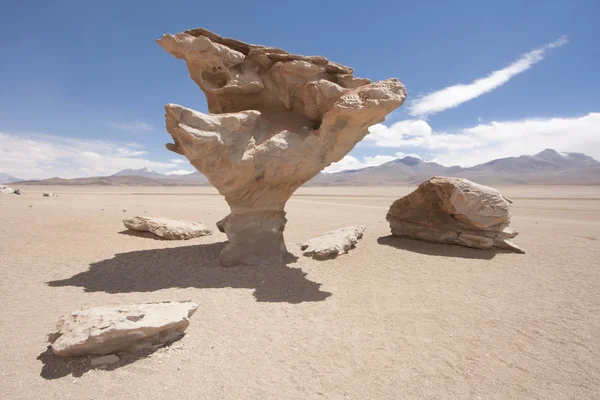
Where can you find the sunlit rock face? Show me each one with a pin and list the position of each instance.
(454, 211)
(276, 120)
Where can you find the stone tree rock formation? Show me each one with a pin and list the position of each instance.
(276, 119)
(455, 211)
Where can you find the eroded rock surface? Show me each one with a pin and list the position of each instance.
(106, 330)
(455, 211)
(6, 190)
(167, 228)
(276, 120)
(334, 243)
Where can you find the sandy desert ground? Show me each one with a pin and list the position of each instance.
(393, 319)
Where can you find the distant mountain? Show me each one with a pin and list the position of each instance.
(5, 178)
(129, 177)
(548, 166)
(145, 172)
(125, 180)
(402, 170)
(545, 161)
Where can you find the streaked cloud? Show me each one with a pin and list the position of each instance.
(35, 156)
(455, 95)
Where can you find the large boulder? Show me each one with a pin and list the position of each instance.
(455, 211)
(166, 228)
(105, 330)
(334, 243)
(276, 120)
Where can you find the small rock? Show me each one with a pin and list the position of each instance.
(104, 360)
(107, 330)
(334, 243)
(170, 229)
(49, 194)
(18, 192)
(124, 210)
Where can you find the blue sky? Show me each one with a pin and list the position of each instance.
(83, 84)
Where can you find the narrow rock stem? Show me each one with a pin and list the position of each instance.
(254, 238)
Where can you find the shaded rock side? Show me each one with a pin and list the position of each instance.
(455, 211)
(106, 330)
(166, 228)
(334, 243)
(276, 120)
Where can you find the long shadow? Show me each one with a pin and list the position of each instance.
(438, 249)
(194, 266)
(145, 235)
(55, 367)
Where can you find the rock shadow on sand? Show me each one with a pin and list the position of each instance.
(438, 249)
(141, 234)
(55, 367)
(194, 267)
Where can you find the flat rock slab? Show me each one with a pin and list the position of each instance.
(454, 211)
(106, 330)
(6, 190)
(166, 228)
(334, 243)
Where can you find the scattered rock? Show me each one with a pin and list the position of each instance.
(18, 192)
(455, 211)
(334, 243)
(124, 210)
(106, 330)
(105, 360)
(171, 229)
(49, 194)
(276, 120)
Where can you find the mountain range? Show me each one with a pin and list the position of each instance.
(129, 177)
(546, 167)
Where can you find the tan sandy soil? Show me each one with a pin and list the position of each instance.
(393, 319)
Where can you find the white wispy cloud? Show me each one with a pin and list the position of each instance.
(131, 127)
(487, 141)
(180, 172)
(179, 161)
(455, 95)
(35, 156)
